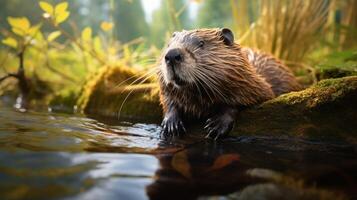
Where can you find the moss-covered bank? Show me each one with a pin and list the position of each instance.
(327, 108)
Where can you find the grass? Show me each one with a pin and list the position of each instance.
(298, 32)
(287, 29)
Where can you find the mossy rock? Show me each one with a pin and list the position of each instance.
(328, 108)
(113, 91)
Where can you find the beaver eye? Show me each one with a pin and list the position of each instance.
(201, 43)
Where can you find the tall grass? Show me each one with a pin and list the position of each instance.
(286, 28)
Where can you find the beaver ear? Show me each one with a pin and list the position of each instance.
(228, 37)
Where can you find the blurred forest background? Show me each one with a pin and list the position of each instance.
(50, 48)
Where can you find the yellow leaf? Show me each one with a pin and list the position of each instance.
(224, 160)
(52, 36)
(21, 23)
(106, 26)
(98, 45)
(61, 7)
(34, 30)
(11, 42)
(181, 164)
(38, 37)
(87, 34)
(48, 8)
(19, 31)
(61, 17)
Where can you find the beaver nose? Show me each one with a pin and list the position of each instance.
(174, 56)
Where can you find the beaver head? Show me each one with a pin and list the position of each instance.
(191, 56)
(205, 67)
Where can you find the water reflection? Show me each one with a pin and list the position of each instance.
(75, 175)
(50, 156)
(251, 167)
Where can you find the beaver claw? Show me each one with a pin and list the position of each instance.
(219, 126)
(172, 126)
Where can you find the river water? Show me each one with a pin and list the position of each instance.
(45, 155)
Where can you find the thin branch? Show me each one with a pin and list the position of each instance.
(4, 78)
(8, 76)
(21, 59)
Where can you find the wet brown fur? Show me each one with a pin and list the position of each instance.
(273, 70)
(243, 77)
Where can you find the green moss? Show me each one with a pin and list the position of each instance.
(338, 64)
(326, 109)
(324, 91)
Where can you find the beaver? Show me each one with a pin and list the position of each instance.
(204, 74)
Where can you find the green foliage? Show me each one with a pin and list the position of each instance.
(129, 20)
(342, 59)
(171, 16)
(62, 58)
(215, 14)
(338, 64)
(22, 34)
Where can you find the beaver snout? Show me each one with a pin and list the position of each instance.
(173, 57)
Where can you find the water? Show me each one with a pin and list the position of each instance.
(55, 156)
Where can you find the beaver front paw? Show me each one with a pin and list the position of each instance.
(172, 125)
(219, 126)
